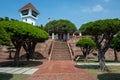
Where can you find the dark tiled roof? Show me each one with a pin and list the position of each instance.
(29, 6)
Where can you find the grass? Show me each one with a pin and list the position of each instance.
(14, 76)
(114, 73)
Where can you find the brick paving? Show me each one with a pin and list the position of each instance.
(61, 70)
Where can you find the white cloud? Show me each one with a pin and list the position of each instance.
(97, 8)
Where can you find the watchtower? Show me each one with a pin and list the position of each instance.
(29, 13)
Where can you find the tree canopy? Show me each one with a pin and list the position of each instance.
(17, 29)
(23, 34)
(87, 45)
(115, 45)
(85, 42)
(4, 37)
(116, 42)
(60, 25)
(101, 27)
(103, 32)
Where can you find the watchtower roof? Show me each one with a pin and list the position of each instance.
(29, 6)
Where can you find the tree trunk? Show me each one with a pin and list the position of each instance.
(101, 59)
(87, 52)
(16, 57)
(17, 43)
(10, 55)
(28, 56)
(86, 57)
(32, 49)
(25, 46)
(116, 58)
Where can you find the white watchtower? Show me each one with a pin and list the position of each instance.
(29, 13)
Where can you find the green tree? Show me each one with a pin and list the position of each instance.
(60, 25)
(41, 27)
(23, 34)
(4, 19)
(115, 45)
(103, 32)
(87, 45)
(30, 42)
(4, 37)
(1, 19)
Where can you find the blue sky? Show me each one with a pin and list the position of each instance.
(77, 11)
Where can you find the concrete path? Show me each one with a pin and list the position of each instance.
(11, 70)
(61, 70)
(96, 64)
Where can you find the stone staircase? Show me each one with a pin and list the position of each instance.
(60, 51)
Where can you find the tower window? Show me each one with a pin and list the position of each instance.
(25, 12)
(34, 13)
(25, 19)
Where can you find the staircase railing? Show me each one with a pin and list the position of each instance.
(70, 50)
(51, 51)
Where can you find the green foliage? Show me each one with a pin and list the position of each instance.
(103, 32)
(21, 34)
(87, 45)
(22, 30)
(98, 27)
(1, 19)
(115, 44)
(4, 37)
(84, 27)
(60, 25)
(41, 27)
(86, 42)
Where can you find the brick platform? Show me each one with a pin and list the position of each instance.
(61, 70)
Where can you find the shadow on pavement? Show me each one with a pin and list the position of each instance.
(21, 63)
(37, 55)
(36, 61)
(4, 76)
(109, 76)
(87, 66)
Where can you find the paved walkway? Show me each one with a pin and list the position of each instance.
(96, 64)
(61, 70)
(10, 70)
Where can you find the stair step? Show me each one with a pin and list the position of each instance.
(60, 51)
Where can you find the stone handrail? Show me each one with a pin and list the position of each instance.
(51, 51)
(70, 50)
